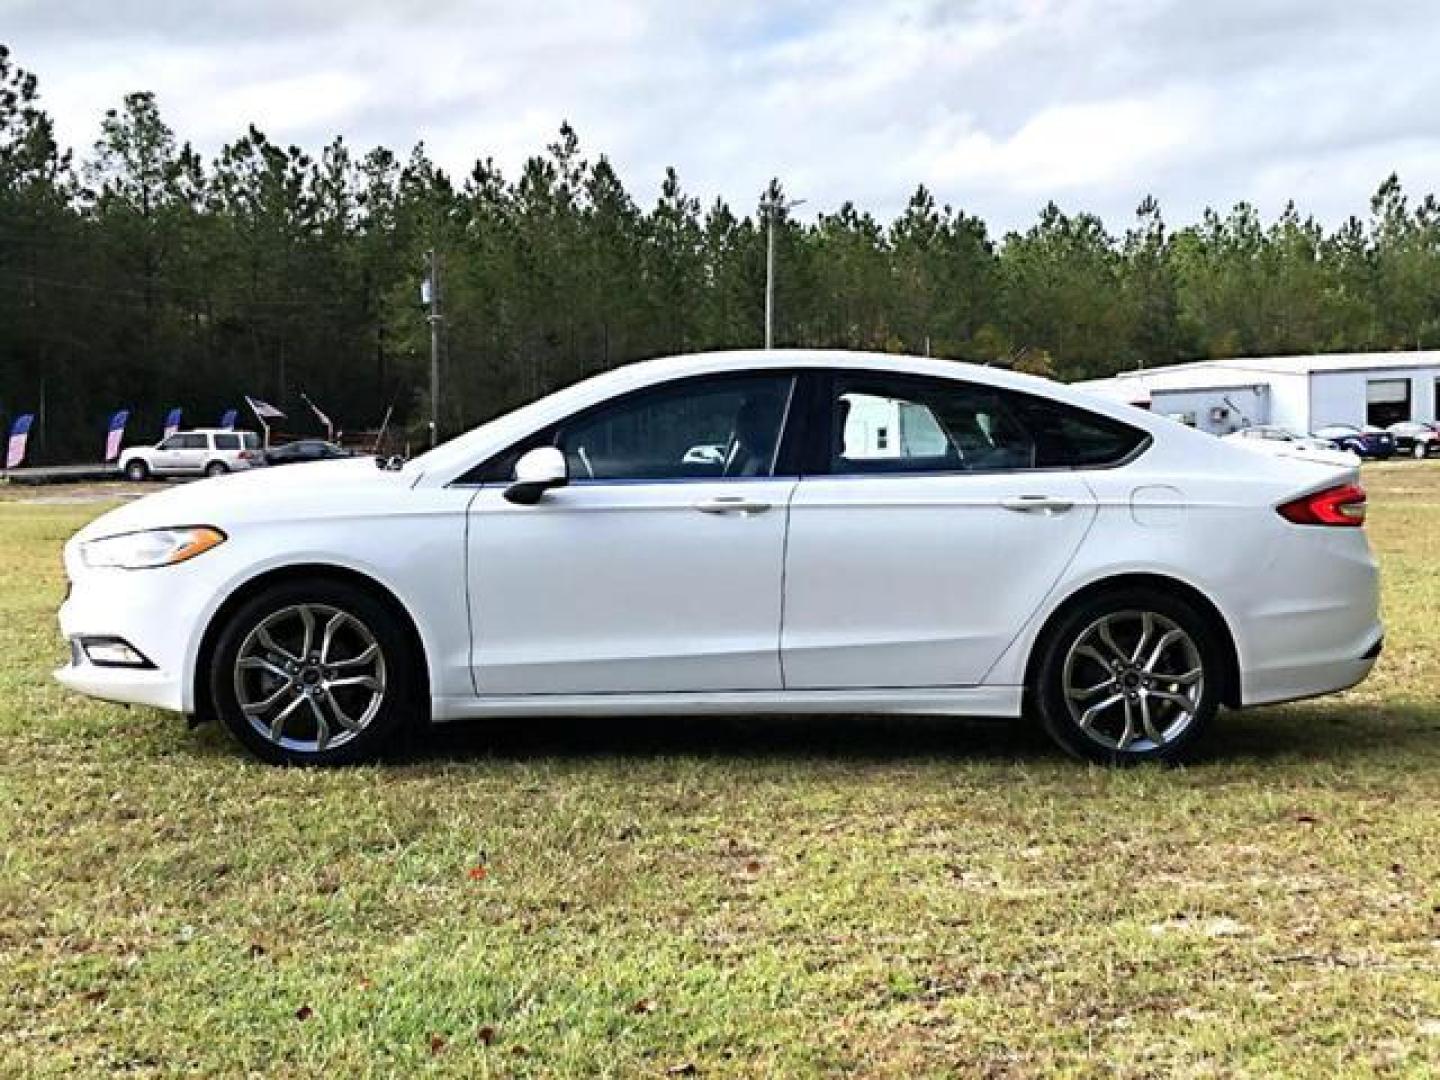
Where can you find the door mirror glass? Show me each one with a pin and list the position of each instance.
(536, 472)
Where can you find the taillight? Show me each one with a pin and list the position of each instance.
(1343, 505)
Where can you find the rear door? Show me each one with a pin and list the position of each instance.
(942, 515)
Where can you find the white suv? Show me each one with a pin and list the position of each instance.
(202, 452)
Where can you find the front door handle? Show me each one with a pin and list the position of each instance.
(731, 504)
(1037, 504)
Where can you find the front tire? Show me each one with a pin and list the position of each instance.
(1129, 676)
(137, 471)
(314, 673)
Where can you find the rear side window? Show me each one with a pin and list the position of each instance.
(252, 441)
(908, 424)
(227, 442)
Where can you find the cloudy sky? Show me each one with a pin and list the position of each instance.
(997, 105)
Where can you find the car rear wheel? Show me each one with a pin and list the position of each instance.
(137, 471)
(1129, 676)
(216, 468)
(314, 673)
(1418, 449)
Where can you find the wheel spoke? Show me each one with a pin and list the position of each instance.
(265, 638)
(307, 619)
(1128, 735)
(1189, 678)
(1091, 653)
(322, 726)
(327, 640)
(1103, 632)
(1170, 637)
(366, 656)
(1147, 627)
(1087, 718)
(369, 682)
(1180, 701)
(1147, 722)
(257, 708)
(277, 726)
(341, 716)
(258, 663)
(1087, 692)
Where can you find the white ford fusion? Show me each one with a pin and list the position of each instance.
(804, 532)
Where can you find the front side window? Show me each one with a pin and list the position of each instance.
(890, 424)
(184, 442)
(701, 429)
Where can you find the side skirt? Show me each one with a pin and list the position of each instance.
(998, 701)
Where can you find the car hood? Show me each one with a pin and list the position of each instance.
(253, 495)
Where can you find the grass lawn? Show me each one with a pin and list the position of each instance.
(758, 897)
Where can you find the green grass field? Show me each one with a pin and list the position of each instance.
(725, 897)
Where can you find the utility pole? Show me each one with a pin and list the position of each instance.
(772, 211)
(430, 294)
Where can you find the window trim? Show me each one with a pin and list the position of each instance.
(793, 423)
(820, 459)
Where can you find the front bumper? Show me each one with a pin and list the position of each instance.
(155, 616)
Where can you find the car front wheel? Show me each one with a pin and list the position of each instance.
(137, 471)
(314, 673)
(1129, 676)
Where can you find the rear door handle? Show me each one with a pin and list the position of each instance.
(1037, 504)
(731, 504)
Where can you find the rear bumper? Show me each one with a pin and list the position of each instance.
(1296, 682)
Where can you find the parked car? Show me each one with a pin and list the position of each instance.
(1416, 438)
(1365, 442)
(1015, 546)
(201, 452)
(293, 453)
(1284, 443)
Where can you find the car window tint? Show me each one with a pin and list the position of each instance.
(189, 442)
(252, 441)
(711, 428)
(174, 442)
(884, 424)
(227, 442)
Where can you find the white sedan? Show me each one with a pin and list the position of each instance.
(877, 534)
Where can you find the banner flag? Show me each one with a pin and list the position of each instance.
(329, 427)
(172, 423)
(19, 436)
(227, 421)
(263, 410)
(115, 434)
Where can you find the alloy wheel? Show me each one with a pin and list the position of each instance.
(1133, 681)
(310, 677)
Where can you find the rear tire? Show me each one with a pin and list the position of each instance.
(1129, 676)
(137, 471)
(315, 673)
(216, 468)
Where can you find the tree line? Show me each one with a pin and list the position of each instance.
(139, 275)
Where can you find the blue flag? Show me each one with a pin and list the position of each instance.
(19, 436)
(228, 420)
(115, 434)
(172, 423)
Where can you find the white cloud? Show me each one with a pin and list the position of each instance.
(998, 105)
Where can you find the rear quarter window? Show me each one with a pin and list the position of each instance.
(227, 442)
(1069, 437)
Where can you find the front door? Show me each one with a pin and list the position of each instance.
(945, 513)
(658, 568)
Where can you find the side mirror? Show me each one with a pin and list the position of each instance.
(536, 472)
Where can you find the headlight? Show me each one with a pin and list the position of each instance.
(154, 547)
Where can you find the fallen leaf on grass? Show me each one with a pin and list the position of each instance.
(644, 1005)
(486, 1035)
(437, 1044)
(753, 866)
(304, 1012)
(477, 873)
(688, 1069)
